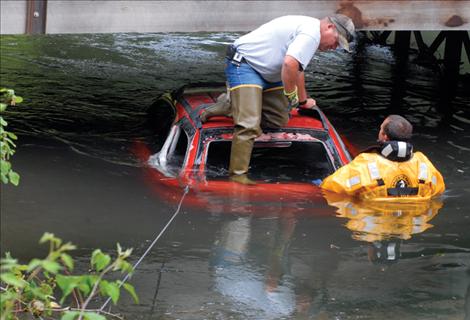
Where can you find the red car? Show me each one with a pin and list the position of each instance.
(287, 163)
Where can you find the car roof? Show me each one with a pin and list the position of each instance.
(183, 107)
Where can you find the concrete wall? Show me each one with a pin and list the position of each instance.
(108, 16)
(13, 17)
(156, 16)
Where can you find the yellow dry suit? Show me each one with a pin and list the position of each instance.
(391, 171)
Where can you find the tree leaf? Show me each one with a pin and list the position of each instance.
(130, 288)
(93, 316)
(67, 284)
(37, 293)
(87, 283)
(12, 135)
(51, 266)
(3, 107)
(14, 177)
(47, 236)
(119, 249)
(18, 99)
(67, 260)
(11, 279)
(126, 267)
(8, 262)
(46, 289)
(100, 260)
(5, 166)
(9, 141)
(103, 262)
(33, 264)
(68, 246)
(85, 288)
(93, 255)
(70, 315)
(110, 289)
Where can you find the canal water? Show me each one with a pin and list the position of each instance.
(85, 111)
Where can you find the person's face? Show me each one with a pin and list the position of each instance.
(329, 37)
(382, 136)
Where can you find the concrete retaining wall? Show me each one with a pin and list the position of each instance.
(98, 16)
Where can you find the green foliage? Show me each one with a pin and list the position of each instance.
(72, 315)
(7, 146)
(31, 288)
(99, 260)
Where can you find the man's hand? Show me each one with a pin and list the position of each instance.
(309, 104)
(293, 98)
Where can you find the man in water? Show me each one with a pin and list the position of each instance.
(389, 170)
(265, 77)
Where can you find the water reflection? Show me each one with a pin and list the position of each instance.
(264, 294)
(384, 224)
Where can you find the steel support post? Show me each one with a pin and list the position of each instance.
(453, 52)
(36, 15)
(450, 77)
(402, 44)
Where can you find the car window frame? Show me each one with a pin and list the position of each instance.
(214, 134)
(168, 148)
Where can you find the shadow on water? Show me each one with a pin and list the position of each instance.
(237, 256)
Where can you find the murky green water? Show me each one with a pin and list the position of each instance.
(85, 99)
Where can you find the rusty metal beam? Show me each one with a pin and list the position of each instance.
(36, 16)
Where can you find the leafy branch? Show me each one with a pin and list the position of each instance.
(29, 288)
(7, 144)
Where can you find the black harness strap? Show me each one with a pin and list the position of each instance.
(399, 192)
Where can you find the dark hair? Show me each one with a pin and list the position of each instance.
(398, 128)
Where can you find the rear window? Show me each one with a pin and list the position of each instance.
(284, 161)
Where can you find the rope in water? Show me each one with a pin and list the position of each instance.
(186, 190)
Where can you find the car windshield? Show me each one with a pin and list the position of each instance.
(274, 161)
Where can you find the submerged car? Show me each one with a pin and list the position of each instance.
(286, 162)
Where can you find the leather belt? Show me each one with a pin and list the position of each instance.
(234, 56)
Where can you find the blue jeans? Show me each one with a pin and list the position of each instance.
(246, 75)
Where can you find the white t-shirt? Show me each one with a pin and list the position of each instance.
(265, 48)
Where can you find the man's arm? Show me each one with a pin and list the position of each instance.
(289, 73)
(303, 96)
(301, 86)
(292, 77)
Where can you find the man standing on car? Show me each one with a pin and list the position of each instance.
(265, 76)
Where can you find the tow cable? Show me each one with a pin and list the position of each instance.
(186, 190)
